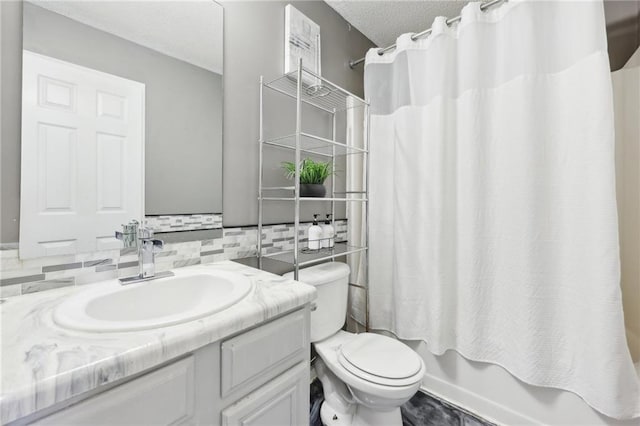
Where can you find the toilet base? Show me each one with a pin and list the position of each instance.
(363, 416)
(331, 417)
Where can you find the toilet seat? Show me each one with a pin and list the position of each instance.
(380, 360)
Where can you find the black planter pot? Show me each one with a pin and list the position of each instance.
(312, 190)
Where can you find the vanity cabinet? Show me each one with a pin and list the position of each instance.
(257, 377)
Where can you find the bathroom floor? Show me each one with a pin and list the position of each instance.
(425, 410)
(421, 410)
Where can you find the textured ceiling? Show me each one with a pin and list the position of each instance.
(189, 30)
(383, 21)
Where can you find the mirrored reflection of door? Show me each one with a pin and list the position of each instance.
(82, 157)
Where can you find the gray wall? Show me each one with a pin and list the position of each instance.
(623, 30)
(10, 95)
(254, 46)
(183, 107)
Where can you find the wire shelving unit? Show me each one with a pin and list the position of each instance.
(306, 88)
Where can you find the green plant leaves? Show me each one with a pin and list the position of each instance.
(311, 172)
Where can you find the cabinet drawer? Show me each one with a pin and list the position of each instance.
(283, 402)
(162, 397)
(253, 358)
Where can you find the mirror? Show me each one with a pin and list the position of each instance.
(121, 118)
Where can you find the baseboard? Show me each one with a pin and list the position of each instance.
(473, 403)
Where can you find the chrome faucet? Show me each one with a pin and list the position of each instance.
(133, 235)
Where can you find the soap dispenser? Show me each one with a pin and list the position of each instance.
(328, 240)
(315, 235)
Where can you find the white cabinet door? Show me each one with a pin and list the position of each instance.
(162, 397)
(253, 358)
(282, 402)
(82, 157)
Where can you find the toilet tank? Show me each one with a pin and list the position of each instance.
(331, 281)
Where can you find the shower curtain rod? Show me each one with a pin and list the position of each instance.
(414, 37)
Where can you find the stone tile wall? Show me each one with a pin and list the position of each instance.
(186, 222)
(31, 275)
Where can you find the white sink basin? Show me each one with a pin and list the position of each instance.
(112, 307)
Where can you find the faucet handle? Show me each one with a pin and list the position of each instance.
(129, 234)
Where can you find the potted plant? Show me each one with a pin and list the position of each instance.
(312, 176)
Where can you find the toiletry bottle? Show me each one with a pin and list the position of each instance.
(315, 234)
(328, 239)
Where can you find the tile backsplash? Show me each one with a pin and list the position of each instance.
(31, 275)
(183, 222)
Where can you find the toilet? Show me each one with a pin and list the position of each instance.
(366, 377)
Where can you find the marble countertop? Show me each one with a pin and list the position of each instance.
(44, 364)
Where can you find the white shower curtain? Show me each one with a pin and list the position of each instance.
(626, 96)
(493, 212)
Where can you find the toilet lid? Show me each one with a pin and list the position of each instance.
(379, 356)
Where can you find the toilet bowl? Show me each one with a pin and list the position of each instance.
(366, 377)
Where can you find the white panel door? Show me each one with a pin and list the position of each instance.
(82, 157)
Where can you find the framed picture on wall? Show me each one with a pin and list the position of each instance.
(301, 40)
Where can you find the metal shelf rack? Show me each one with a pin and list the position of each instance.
(324, 95)
(309, 258)
(305, 87)
(315, 145)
